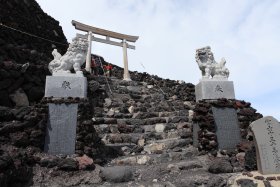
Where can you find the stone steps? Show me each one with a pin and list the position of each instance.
(187, 154)
(123, 128)
(158, 146)
(139, 119)
(149, 136)
(132, 144)
(140, 122)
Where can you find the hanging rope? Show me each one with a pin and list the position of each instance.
(26, 33)
(105, 75)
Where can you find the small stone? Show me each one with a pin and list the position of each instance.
(85, 162)
(116, 174)
(220, 166)
(143, 159)
(160, 127)
(127, 161)
(154, 148)
(141, 142)
(174, 97)
(241, 158)
(270, 178)
(131, 109)
(155, 180)
(110, 113)
(259, 178)
(19, 98)
(247, 174)
(216, 182)
(68, 164)
(246, 183)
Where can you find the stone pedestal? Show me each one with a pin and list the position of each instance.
(61, 128)
(214, 89)
(66, 86)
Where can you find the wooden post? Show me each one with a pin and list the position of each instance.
(126, 75)
(88, 59)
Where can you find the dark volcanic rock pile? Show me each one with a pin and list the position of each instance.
(16, 81)
(20, 86)
(22, 133)
(27, 16)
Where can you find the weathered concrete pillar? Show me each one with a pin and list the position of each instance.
(88, 59)
(126, 75)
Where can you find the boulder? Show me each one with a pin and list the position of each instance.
(19, 98)
(117, 174)
(85, 163)
(68, 164)
(220, 166)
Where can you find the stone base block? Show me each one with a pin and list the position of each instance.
(61, 129)
(214, 89)
(66, 86)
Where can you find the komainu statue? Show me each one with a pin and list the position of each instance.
(208, 66)
(74, 57)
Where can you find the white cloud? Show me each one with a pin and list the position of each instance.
(246, 33)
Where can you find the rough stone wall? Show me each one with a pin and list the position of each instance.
(22, 133)
(204, 117)
(27, 16)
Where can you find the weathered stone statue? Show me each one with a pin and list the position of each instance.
(214, 83)
(208, 66)
(73, 58)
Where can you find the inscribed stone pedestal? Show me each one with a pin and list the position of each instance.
(227, 128)
(267, 141)
(214, 89)
(61, 129)
(66, 86)
(195, 134)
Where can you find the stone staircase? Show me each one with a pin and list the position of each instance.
(139, 119)
(152, 131)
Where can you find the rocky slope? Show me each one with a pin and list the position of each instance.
(27, 16)
(21, 85)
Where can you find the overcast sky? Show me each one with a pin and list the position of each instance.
(246, 33)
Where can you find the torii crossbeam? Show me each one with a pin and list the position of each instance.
(108, 34)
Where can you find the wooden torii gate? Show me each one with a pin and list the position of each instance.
(108, 34)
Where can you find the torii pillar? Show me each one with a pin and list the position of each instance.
(88, 59)
(126, 75)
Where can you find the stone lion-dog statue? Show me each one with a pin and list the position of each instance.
(74, 57)
(208, 66)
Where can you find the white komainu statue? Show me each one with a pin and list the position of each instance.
(74, 57)
(208, 66)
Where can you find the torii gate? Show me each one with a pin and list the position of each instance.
(108, 34)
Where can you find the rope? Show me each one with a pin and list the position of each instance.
(23, 32)
(105, 75)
